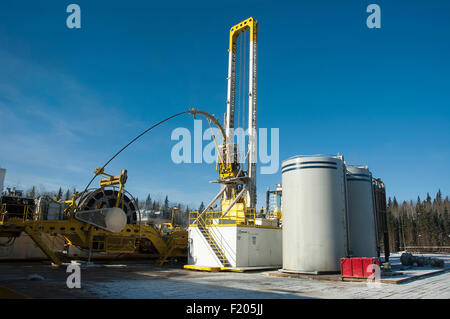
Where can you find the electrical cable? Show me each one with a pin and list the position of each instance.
(131, 142)
(123, 148)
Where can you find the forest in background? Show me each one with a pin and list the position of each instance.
(150, 208)
(421, 223)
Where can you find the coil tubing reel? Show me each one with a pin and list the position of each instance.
(107, 198)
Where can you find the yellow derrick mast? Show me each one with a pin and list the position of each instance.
(238, 186)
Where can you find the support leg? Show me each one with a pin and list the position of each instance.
(47, 251)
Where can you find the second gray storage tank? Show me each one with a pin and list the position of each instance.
(361, 213)
(314, 214)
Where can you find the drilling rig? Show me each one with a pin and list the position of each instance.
(106, 219)
(235, 235)
(238, 186)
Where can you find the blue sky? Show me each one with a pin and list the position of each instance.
(69, 99)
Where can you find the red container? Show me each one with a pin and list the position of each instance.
(358, 267)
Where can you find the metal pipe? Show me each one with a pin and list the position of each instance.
(211, 203)
(211, 117)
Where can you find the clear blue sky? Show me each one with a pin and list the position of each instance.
(70, 98)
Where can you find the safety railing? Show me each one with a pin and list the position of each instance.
(24, 212)
(211, 238)
(274, 215)
(230, 218)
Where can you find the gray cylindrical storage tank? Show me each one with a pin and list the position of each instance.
(361, 213)
(314, 214)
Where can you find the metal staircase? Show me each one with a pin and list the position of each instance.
(213, 243)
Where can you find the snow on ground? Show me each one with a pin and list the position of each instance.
(256, 285)
(144, 280)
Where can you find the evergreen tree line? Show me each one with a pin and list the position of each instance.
(157, 205)
(420, 223)
(180, 211)
(33, 192)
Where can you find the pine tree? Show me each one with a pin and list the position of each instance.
(32, 193)
(59, 195)
(439, 197)
(68, 195)
(428, 198)
(166, 204)
(148, 202)
(201, 208)
(395, 203)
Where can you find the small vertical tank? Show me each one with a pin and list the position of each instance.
(314, 214)
(361, 212)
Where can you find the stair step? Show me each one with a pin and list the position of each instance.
(214, 246)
